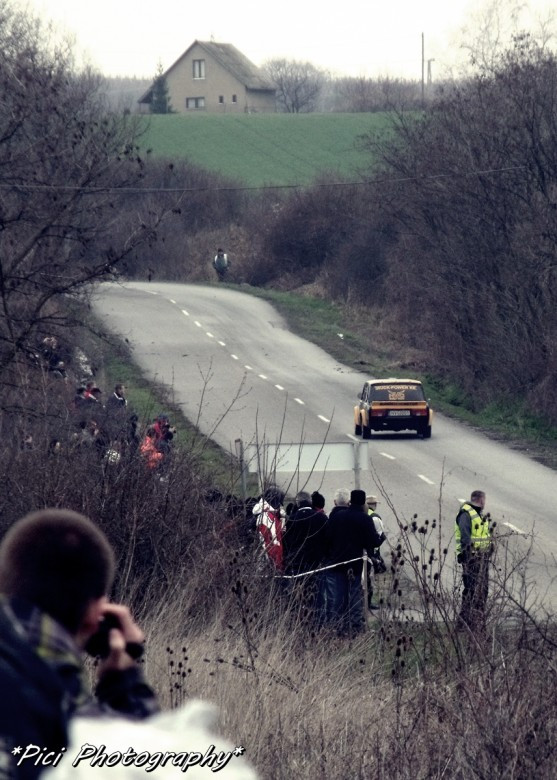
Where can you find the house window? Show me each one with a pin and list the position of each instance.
(199, 69)
(221, 98)
(194, 103)
(234, 98)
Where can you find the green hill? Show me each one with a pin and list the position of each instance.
(261, 149)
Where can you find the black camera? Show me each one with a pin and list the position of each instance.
(98, 645)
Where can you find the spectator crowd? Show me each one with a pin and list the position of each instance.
(106, 427)
(328, 559)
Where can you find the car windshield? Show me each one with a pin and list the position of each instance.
(396, 393)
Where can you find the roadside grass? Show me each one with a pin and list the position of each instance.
(507, 418)
(320, 321)
(265, 149)
(367, 345)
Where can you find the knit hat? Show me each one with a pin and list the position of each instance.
(357, 497)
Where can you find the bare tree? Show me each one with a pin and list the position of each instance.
(68, 170)
(298, 84)
(123, 92)
(494, 24)
(361, 94)
(475, 204)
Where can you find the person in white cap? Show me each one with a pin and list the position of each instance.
(377, 564)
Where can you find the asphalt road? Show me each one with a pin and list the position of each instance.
(239, 373)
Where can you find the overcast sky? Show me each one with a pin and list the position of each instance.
(363, 37)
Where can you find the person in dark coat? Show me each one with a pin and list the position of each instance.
(318, 501)
(304, 545)
(52, 356)
(117, 402)
(349, 533)
(115, 420)
(341, 501)
(56, 568)
(304, 541)
(79, 400)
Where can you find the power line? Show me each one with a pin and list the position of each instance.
(34, 187)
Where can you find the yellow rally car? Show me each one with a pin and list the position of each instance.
(392, 405)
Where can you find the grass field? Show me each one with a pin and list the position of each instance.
(265, 149)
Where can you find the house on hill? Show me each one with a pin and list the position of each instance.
(216, 78)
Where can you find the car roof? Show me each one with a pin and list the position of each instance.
(393, 381)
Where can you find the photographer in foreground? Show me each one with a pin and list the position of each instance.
(56, 569)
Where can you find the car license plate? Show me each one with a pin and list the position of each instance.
(399, 413)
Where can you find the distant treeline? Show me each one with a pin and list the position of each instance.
(346, 94)
(123, 92)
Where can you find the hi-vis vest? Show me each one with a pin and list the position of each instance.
(480, 535)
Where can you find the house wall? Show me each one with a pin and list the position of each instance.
(217, 83)
(259, 101)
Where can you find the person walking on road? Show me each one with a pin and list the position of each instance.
(473, 548)
(221, 264)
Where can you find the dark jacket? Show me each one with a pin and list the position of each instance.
(116, 403)
(337, 509)
(304, 541)
(349, 532)
(38, 700)
(35, 702)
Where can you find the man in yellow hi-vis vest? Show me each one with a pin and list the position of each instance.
(473, 548)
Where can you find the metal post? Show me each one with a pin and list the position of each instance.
(357, 465)
(364, 589)
(423, 71)
(240, 455)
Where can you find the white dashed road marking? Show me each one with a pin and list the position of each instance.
(320, 416)
(235, 357)
(386, 455)
(172, 300)
(354, 438)
(426, 479)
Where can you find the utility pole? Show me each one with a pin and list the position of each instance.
(423, 72)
